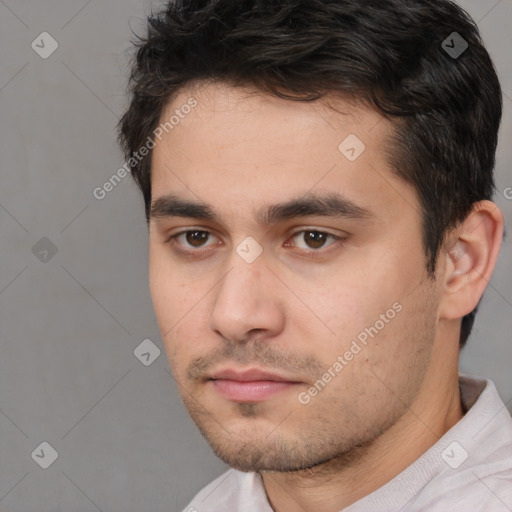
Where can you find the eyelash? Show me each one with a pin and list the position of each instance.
(171, 240)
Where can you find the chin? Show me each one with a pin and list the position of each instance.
(259, 453)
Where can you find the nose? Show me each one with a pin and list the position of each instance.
(247, 303)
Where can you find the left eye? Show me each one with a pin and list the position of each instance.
(314, 239)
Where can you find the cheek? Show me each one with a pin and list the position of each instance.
(173, 303)
(344, 304)
(370, 314)
(378, 376)
(172, 294)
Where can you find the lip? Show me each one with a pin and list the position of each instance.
(251, 374)
(251, 385)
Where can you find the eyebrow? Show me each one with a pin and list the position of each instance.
(330, 205)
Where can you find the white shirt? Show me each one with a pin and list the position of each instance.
(468, 470)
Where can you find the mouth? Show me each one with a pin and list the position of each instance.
(250, 385)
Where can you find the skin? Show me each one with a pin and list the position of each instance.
(300, 304)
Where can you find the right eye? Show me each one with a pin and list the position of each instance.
(189, 240)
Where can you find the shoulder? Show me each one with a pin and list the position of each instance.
(477, 456)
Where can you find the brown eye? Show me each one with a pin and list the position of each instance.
(196, 238)
(315, 239)
(312, 239)
(190, 239)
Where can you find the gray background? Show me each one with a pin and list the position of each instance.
(70, 321)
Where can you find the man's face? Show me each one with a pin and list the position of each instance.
(253, 343)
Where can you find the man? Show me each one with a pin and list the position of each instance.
(317, 178)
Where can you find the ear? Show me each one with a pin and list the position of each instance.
(471, 252)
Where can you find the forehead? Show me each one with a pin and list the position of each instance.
(234, 114)
(238, 145)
